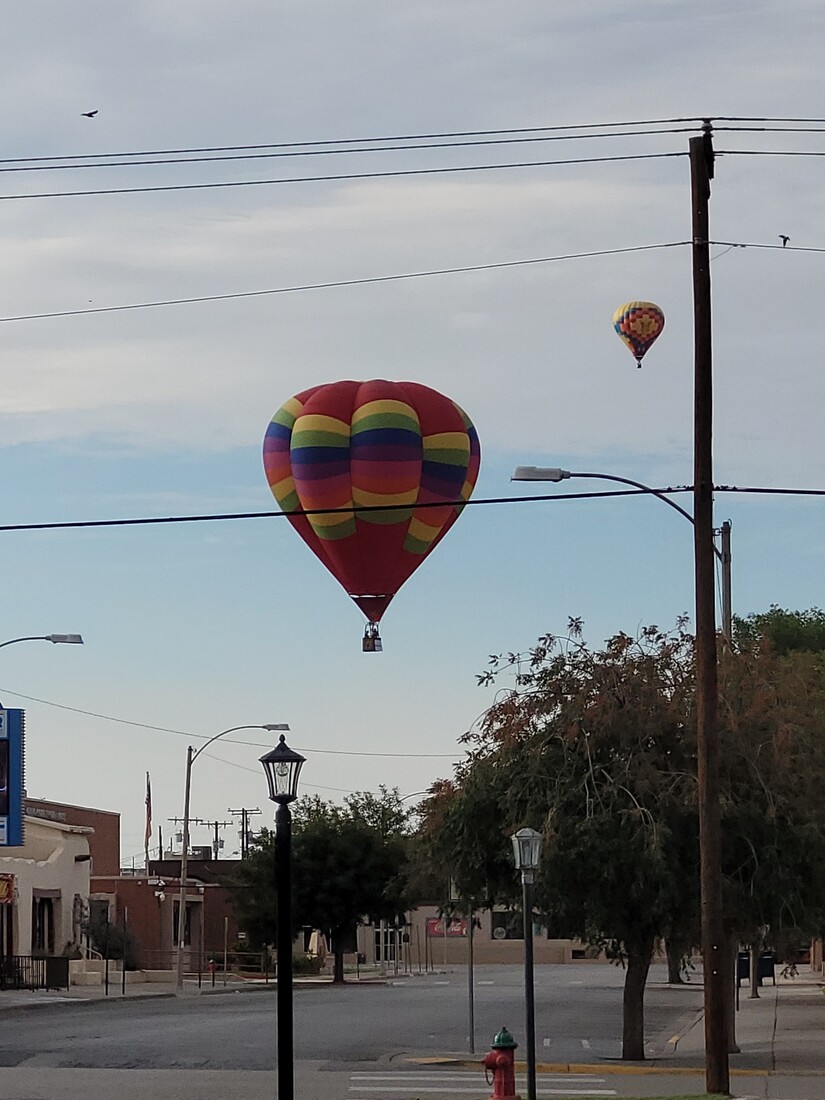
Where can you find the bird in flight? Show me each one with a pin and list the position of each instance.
(784, 239)
(89, 114)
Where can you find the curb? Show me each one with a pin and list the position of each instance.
(627, 1069)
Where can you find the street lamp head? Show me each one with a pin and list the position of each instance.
(275, 727)
(539, 473)
(283, 766)
(66, 639)
(527, 849)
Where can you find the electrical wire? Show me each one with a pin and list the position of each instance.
(339, 177)
(746, 118)
(780, 247)
(272, 514)
(358, 141)
(329, 152)
(256, 771)
(368, 280)
(770, 153)
(362, 508)
(226, 740)
(340, 283)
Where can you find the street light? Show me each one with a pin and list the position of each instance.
(527, 853)
(282, 766)
(191, 756)
(554, 473)
(66, 639)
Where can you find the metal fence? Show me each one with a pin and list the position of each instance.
(28, 972)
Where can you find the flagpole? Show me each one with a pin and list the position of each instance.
(148, 832)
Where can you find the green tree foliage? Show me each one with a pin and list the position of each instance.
(597, 750)
(349, 864)
(594, 749)
(772, 709)
(785, 631)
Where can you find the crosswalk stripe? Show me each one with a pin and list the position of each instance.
(469, 1075)
(474, 1091)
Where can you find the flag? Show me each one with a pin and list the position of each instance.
(148, 832)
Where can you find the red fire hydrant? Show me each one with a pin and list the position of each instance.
(501, 1061)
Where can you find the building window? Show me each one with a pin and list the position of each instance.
(506, 925)
(42, 926)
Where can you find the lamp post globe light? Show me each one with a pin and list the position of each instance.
(191, 756)
(282, 766)
(527, 855)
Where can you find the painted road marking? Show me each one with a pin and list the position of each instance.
(419, 1082)
(473, 1090)
(435, 1075)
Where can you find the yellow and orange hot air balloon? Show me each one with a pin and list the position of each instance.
(638, 324)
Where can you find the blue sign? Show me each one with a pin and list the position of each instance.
(12, 732)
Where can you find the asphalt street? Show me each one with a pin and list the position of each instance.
(68, 1047)
(578, 1017)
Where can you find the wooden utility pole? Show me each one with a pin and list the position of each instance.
(717, 1074)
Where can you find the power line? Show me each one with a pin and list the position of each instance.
(340, 283)
(80, 163)
(358, 141)
(339, 177)
(274, 514)
(226, 740)
(746, 118)
(368, 280)
(146, 521)
(770, 153)
(752, 244)
(763, 130)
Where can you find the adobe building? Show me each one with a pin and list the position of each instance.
(104, 826)
(44, 888)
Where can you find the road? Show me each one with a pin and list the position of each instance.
(578, 1015)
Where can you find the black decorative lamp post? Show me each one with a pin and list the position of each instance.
(282, 767)
(527, 854)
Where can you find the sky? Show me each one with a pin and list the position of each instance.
(193, 628)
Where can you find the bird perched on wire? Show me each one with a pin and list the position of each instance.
(784, 239)
(89, 114)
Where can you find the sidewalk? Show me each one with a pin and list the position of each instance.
(781, 1032)
(35, 998)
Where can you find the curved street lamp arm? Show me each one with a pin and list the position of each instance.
(638, 485)
(28, 638)
(234, 729)
(647, 489)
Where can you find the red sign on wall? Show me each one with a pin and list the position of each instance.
(455, 928)
(6, 889)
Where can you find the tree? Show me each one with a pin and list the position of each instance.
(343, 871)
(595, 749)
(772, 708)
(786, 631)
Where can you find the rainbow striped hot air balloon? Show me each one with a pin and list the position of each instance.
(638, 324)
(367, 445)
